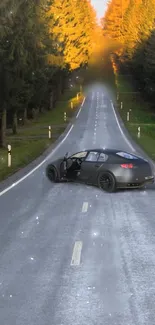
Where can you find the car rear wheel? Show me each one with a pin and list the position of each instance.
(107, 182)
(51, 173)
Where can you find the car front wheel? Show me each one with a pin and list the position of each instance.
(51, 173)
(107, 182)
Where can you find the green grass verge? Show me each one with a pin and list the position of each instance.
(25, 150)
(140, 115)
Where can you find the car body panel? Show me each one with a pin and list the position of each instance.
(89, 171)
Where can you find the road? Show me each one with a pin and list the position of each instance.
(72, 254)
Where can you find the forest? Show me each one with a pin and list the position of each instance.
(41, 43)
(131, 23)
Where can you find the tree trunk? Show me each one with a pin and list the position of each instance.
(3, 128)
(51, 101)
(14, 123)
(63, 84)
(41, 109)
(60, 84)
(25, 116)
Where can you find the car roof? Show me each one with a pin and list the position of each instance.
(114, 152)
(108, 151)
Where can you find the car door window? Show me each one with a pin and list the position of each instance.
(102, 157)
(92, 156)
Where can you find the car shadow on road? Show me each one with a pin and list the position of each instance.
(150, 187)
(139, 190)
(73, 185)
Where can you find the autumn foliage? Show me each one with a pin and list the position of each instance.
(41, 42)
(132, 22)
(73, 25)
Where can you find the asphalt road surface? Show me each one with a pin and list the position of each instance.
(72, 254)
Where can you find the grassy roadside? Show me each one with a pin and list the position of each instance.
(32, 139)
(140, 114)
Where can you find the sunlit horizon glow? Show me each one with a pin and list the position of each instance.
(100, 7)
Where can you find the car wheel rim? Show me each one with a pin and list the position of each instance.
(106, 182)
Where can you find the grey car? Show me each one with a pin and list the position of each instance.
(108, 169)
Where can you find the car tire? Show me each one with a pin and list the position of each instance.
(107, 182)
(51, 174)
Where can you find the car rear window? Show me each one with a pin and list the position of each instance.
(126, 155)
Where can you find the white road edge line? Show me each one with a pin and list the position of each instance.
(81, 107)
(38, 166)
(76, 256)
(85, 207)
(124, 136)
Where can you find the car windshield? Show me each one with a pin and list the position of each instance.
(81, 154)
(126, 155)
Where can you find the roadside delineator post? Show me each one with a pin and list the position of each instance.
(49, 132)
(65, 116)
(139, 132)
(9, 155)
(71, 105)
(128, 116)
(121, 105)
(77, 96)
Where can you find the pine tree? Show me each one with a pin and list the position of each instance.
(72, 31)
(40, 40)
(138, 39)
(113, 20)
(25, 44)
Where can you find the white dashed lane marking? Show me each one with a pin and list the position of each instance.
(85, 207)
(76, 256)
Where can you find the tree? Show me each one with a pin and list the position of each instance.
(40, 41)
(149, 66)
(137, 37)
(74, 22)
(25, 44)
(112, 22)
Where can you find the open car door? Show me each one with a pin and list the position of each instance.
(91, 165)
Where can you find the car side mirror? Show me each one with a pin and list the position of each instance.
(66, 156)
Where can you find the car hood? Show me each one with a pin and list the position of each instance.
(58, 161)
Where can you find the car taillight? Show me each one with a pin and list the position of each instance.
(127, 166)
